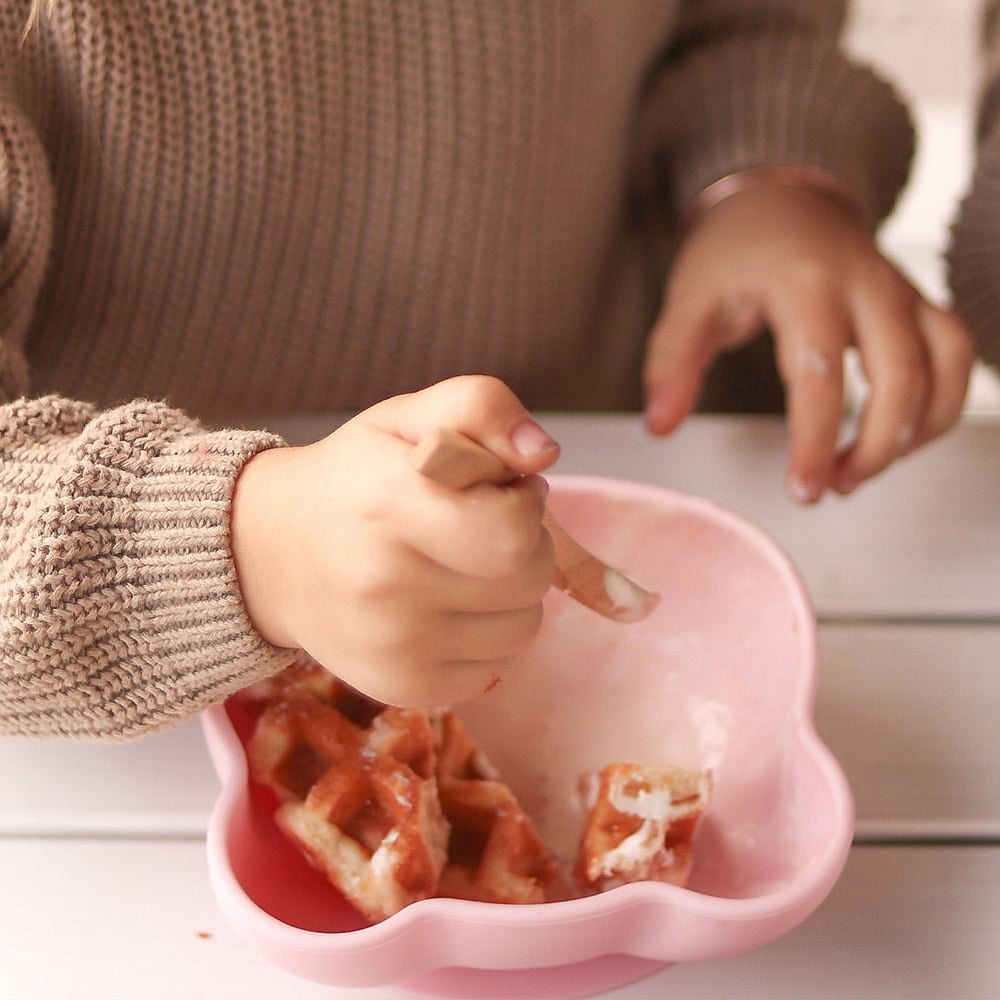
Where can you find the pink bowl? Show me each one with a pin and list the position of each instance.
(721, 676)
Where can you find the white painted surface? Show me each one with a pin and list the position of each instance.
(99, 920)
(912, 713)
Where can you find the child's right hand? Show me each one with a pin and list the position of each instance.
(413, 593)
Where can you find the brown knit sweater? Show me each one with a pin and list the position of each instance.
(274, 206)
(974, 254)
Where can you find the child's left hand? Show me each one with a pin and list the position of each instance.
(794, 260)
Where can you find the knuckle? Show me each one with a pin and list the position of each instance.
(476, 393)
(812, 276)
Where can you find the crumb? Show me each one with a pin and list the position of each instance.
(815, 361)
(494, 681)
(202, 935)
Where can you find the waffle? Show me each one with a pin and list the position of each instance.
(393, 805)
(495, 853)
(359, 800)
(396, 805)
(640, 823)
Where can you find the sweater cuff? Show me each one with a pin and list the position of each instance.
(125, 613)
(749, 104)
(973, 257)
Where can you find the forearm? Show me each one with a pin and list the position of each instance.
(120, 608)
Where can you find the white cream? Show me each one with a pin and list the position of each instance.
(624, 594)
(712, 722)
(484, 768)
(385, 860)
(636, 852)
(585, 797)
(656, 802)
(649, 804)
(815, 361)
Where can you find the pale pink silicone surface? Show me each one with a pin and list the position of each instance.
(722, 675)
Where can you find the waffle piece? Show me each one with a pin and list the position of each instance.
(396, 805)
(361, 802)
(640, 823)
(494, 852)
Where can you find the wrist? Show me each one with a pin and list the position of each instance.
(258, 541)
(776, 175)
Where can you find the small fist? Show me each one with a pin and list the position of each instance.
(412, 592)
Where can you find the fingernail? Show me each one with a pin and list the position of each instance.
(803, 490)
(848, 484)
(539, 485)
(529, 439)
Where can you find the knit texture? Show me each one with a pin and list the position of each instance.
(973, 258)
(267, 205)
(119, 606)
(772, 88)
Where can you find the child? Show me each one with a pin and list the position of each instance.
(277, 206)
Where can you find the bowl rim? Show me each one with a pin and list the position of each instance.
(230, 763)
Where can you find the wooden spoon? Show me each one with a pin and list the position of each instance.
(455, 460)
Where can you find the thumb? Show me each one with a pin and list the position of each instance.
(678, 351)
(479, 406)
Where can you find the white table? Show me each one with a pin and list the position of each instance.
(103, 886)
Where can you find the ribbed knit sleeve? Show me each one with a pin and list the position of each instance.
(120, 609)
(973, 257)
(748, 83)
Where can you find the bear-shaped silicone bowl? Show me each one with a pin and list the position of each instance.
(721, 676)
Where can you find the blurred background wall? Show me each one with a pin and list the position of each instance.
(928, 49)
